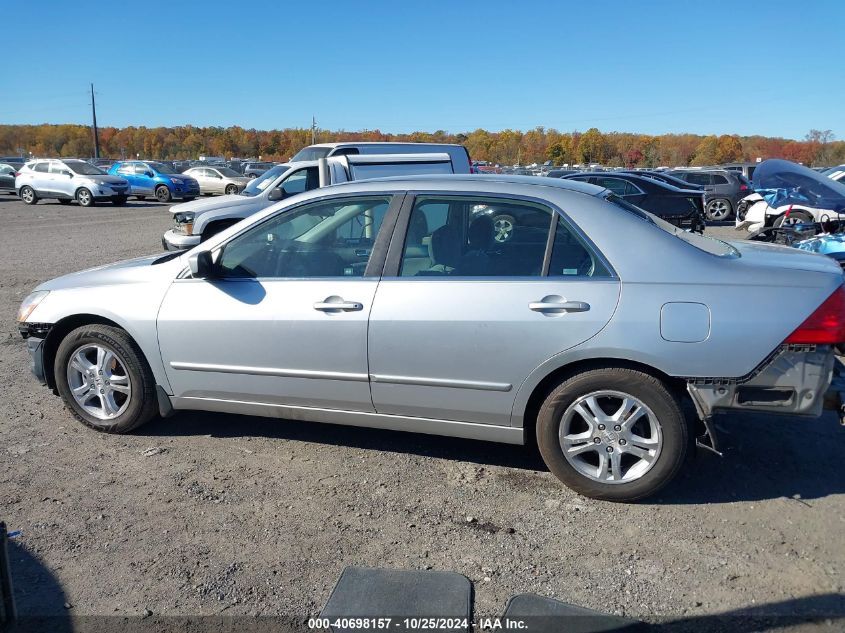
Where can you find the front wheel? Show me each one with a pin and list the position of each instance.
(28, 195)
(104, 380)
(231, 190)
(794, 217)
(616, 434)
(163, 194)
(85, 198)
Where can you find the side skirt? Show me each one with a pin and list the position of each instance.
(430, 426)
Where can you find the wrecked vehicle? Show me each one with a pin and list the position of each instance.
(391, 304)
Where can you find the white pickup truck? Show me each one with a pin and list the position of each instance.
(196, 221)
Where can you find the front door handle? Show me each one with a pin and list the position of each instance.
(337, 304)
(556, 305)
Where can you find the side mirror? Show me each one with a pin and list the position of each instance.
(149, 174)
(276, 194)
(201, 265)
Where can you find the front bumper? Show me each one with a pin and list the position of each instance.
(793, 381)
(105, 192)
(173, 241)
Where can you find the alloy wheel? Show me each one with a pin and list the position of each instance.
(610, 437)
(84, 197)
(99, 381)
(502, 228)
(718, 210)
(27, 195)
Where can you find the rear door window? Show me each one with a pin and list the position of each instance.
(41, 167)
(490, 237)
(718, 179)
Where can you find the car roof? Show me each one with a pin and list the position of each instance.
(476, 181)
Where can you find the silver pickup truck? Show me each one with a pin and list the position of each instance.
(196, 221)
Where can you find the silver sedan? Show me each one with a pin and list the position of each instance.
(608, 334)
(218, 180)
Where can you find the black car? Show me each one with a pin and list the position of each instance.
(724, 190)
(560, 173)
(7, 177)
(681, 207)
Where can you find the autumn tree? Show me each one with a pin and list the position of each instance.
(728, 149)
(705, 152)
(591, 147)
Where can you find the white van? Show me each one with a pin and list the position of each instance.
(459, 154)
(196, 221)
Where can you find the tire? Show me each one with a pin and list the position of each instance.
(127, 411)
(85, 198)
(503, 228)
(231, 190)
(795, 217)
(163, 194)
(28, 195)
(718, 210)
(64, 201)
(119, 202)
(662, 419)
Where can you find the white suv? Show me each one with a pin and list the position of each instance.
(69, 179)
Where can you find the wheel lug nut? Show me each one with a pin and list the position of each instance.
(100, 372)
(622, 442)
(601, 427)
(609, 449)
(102, 391)
(597, 440)
(617, 428)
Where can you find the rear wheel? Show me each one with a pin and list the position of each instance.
(104, 380)
(85, 198)
(163, 194)
(616, 434)
(794, 217)
(28, 195)
(718, 210)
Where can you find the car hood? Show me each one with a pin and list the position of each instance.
(212, 204)
(138, 270)
(777, 256)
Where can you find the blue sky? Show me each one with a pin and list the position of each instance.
(773, 68)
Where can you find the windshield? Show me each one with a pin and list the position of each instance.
(311, 153)
(707, 244)
(84, 169)
(833, 170)
(228, 173)
(264, 180)
(782, 182)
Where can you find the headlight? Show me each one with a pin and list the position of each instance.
(30, 303)
(177, 181)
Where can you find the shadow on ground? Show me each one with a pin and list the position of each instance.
(765, 457)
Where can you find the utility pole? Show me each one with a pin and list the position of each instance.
(94, 125)
(313, 130)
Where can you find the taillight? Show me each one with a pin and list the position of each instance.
(17, 173)
(825, 326)
(743, 187)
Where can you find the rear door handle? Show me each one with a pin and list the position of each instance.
(559, 306)
(337, 304)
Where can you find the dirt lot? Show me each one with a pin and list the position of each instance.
(205, 513)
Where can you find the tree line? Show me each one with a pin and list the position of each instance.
(508, 147)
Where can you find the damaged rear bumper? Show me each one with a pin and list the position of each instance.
(792, 381)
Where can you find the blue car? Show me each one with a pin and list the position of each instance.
(152, 179)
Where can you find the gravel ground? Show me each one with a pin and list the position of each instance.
(210, 513)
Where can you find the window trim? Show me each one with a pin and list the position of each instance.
(393, 261)
(374, 264)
